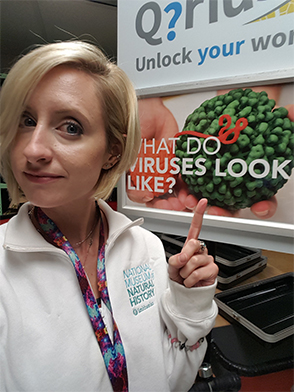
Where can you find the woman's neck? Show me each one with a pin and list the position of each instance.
(75, 222)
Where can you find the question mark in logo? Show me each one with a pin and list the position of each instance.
(177, 8)
(172, 183)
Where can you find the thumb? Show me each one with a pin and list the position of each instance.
(175, 263)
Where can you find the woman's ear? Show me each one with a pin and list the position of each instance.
(114, 157)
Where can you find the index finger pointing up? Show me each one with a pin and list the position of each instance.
(197, 220)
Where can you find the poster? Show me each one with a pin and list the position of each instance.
(180, 42)
(212, 127)
(246, 165)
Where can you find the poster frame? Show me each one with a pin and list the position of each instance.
(262, 234)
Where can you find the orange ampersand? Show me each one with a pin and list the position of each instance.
(240, 125)
(222, 135)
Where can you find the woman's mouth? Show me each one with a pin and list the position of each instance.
(41, 178)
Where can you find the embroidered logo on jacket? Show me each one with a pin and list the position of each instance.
(139, 282)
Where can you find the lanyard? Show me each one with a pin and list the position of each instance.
(113, 354)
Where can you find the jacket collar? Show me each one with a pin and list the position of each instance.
(22, 236)
(117, 222)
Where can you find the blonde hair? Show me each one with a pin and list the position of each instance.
(114, 89)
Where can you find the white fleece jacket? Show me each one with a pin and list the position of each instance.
(46, 338)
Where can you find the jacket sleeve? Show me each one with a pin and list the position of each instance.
(188, 315)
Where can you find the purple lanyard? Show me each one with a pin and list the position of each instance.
(113, 354)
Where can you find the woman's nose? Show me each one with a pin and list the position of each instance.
(38, 147)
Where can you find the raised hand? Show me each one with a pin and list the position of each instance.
(193, 267)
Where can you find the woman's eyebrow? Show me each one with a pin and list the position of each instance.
(73, 113)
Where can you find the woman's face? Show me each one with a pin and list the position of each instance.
(60, 147)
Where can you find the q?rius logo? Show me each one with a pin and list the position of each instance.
(157, 22)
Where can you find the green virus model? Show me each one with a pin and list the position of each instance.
(236, 149)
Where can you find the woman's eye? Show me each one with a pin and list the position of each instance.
(72, 128)
(27, 121)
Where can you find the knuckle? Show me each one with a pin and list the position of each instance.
(195, 275)
(171, 260)
(210, 259)
(193, 242)
(194, 260)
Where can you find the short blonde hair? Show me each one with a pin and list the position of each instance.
(114, 89)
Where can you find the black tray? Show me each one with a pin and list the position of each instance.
(239, 351)
(238, 268)
(230, 258)
(266, 308)
(234, 256)
(228, 279)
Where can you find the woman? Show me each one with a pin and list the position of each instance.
(70, 322)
